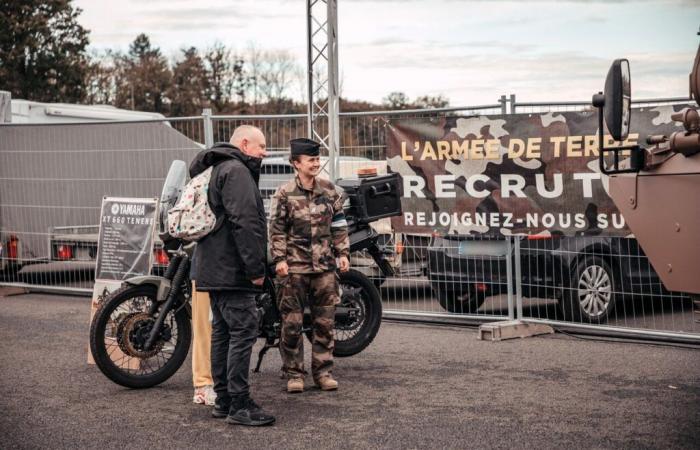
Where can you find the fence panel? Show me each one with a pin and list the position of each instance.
(53, 177)
(411, 293)
(601, 281)
(542, 283)
(52, 181)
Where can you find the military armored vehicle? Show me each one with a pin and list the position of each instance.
(656, 188)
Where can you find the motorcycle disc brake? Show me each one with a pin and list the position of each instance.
(351, 298)
(132, 334)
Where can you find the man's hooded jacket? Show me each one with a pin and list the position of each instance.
(235, 252)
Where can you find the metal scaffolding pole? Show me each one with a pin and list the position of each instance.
(322, 77)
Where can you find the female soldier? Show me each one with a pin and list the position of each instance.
(308, 232)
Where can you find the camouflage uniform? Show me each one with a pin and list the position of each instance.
(308, 231)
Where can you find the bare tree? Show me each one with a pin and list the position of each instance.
(254, 57)
(430, 101)
(100, 82)
(396, 100)
(227, 78)
(271, 74)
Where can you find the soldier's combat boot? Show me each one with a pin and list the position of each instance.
(295, 385)
(244, 411)
(327, 383)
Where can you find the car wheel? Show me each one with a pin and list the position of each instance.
(460, 301)
(591, 294)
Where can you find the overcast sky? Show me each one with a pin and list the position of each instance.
(469, 51)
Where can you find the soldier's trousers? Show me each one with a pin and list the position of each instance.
(321, 291)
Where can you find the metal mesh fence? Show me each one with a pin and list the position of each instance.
(601, 281)
(53, 178)
(536, 108)
(540, 107)
(52, 181)
(410, 291)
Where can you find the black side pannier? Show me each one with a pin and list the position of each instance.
(373, 198)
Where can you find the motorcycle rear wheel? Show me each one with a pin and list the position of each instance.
(119, 329)
(358, 292)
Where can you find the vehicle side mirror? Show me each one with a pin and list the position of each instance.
(618, 99)
(614, 110)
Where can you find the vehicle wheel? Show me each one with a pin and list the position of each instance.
(353, 337)
(118, 332)
(591, 294)
(460, 301)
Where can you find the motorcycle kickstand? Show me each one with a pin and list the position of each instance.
(268, 345)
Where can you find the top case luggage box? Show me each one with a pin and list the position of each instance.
(373, 198)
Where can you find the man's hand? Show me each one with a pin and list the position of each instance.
(282, 269)
(258, 281)
(344, 264)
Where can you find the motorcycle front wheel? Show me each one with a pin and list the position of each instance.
(119, 331)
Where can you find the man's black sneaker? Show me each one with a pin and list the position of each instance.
(221, 409)
(248, 413)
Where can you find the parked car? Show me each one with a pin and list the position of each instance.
(588, 275)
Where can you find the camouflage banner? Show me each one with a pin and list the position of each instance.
(519, 173)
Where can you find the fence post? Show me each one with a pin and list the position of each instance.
(512, 103)
(518, 281)
(503, 101)
(509, 275)
(208, 128)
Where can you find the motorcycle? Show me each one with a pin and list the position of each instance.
(141, 333)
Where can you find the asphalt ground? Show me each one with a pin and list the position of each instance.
(416, 386)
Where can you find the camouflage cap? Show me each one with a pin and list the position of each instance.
(304, 146)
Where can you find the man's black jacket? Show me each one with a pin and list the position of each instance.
(235, 252)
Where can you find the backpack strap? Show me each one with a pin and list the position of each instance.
(220, 215)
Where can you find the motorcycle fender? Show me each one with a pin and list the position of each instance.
(162, 284)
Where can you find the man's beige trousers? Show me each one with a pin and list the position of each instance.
(201, 339)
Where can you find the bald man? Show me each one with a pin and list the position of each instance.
(229, 264)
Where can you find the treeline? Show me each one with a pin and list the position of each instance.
(44, 57)
(218, 78)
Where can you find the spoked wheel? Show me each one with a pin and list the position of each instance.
(355, 334)
(118, 335)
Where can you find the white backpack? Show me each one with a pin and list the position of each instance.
(191, 218)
